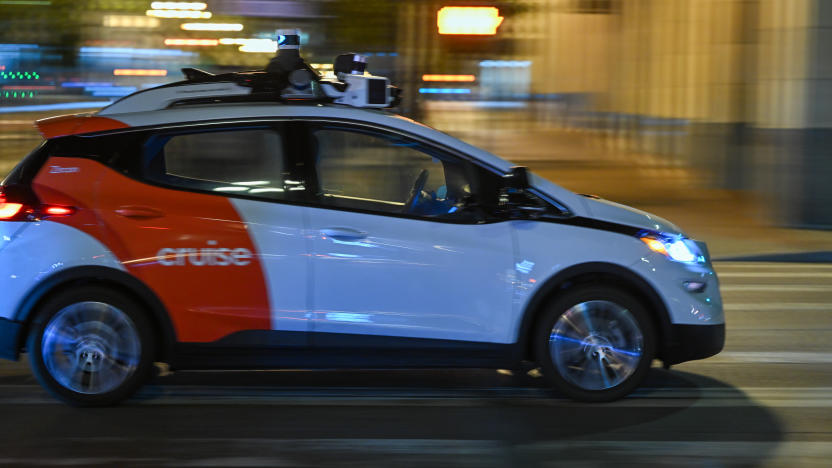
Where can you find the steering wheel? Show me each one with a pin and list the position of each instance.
(416, 191)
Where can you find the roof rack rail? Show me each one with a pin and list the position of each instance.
(287, 78)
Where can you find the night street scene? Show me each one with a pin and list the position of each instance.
(416, 233)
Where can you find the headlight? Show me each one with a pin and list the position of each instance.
(675, 248)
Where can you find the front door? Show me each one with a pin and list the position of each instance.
(399, 248)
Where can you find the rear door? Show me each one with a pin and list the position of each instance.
(207, 221)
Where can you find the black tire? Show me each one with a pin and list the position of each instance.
(580, 295)
(124, 387)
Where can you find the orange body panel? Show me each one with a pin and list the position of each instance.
(75, 124)
(193, 250)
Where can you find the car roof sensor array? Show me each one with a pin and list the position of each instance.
(287, 78)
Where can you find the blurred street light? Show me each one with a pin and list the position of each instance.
(129, 21)
(192, 42)
(259, 46)
(179, 14)
(139, 72)
(178, 5)
(212, 26)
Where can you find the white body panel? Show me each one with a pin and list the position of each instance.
(412, 278)
(548, 248)
(277, 231)
(685, 308)
(39, 250)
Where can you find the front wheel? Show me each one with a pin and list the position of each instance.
(90, 346)
(595, 343)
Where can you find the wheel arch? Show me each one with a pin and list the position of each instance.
(111, 277)
(594, 273)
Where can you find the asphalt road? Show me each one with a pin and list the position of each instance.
(765, 401)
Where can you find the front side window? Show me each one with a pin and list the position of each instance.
(247, 161)
(380, 172)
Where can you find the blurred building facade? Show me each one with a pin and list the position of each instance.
(739, 88)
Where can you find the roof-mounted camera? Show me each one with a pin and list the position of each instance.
(355, 87)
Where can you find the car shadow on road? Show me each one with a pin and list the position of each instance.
(338, 418)
(392, 417)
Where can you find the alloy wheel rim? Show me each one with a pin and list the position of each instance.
(596, 345)
(91, 347)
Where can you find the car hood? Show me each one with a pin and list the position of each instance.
(591, 206)
(606, 210)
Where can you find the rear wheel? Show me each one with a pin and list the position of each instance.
(90, 346)
(595, 343)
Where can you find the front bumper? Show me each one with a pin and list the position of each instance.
(10, 334)
(691, 342)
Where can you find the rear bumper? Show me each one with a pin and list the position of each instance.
(10, 334)
(691, 342)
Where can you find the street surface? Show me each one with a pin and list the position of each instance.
(765, 401)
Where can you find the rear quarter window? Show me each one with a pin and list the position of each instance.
(248, 161)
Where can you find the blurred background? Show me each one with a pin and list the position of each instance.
(715, 113)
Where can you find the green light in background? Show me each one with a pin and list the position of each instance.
(19, 75)
(26, 2)
(17, 95)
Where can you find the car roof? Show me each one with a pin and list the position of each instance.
(206, 113)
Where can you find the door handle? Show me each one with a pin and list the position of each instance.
(139, 212)
(343, 233)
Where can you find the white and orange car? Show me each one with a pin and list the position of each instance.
(207, 224)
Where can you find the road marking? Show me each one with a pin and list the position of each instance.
(755, 265)
(771, 357)
(778, 306)
(788, 274)
(775, 287)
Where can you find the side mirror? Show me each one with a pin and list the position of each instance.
(515, 201)
(517, 178)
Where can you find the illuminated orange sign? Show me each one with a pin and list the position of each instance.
(482, 21)
(456, 78)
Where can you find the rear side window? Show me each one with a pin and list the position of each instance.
(247, 161)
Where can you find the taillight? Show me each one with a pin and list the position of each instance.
(57, 210)
(9, 210)
(20, 204)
